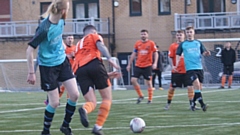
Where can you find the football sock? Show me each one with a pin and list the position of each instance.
(223, 80)
(48, 117)
(103, 112)
(198, 96)
(69, 111)
(150, 94)
(62, 89)
(138, 90)
(89, 107)
(230, 78)
(170, 95)
(190, 94)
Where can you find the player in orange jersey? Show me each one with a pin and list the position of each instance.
(144, 49)
(91, 74)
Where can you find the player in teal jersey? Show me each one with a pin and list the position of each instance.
(192, 50)
(53, 64)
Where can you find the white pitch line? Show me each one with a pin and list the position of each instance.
(119, 128)
(120, 100)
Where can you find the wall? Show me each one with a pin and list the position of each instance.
(127, 27)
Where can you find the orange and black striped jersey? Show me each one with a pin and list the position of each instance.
(86, 50)
(144, 52)
(172, 54)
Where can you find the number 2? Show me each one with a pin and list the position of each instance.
(219, 50)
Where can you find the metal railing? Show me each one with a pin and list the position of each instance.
(203, 21)
(72, 26)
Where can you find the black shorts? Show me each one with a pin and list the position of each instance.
(178, 80)
(51, 76)
(146, 72)
(228, 70)
(92, 75)
(192, 75)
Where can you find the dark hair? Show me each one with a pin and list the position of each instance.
(180, 31)
(88, 27)
(189, 28)
(144, 30)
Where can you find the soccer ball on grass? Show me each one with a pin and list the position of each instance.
(137, 125)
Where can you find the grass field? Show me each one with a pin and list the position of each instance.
(21, 113)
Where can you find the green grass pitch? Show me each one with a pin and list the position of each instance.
(21, 113)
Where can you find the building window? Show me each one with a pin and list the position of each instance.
(164, 7)
(135, 7)
(86, 8)
(207, 6)
(44, 7)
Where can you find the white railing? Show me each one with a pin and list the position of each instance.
(73, 26)
(203, 21)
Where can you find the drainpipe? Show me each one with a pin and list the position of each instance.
(10, 10)
(113, 27)
(185, 6)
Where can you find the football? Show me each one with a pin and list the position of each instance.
(137, 125)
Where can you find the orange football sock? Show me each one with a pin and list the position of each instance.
(138, 90)
(103, 112)
(223, 80)
(62, 89)
(170, 94)
(230, 78)
(190, 94)
(89, 107)
(150, 94)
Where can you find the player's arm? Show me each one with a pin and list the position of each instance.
(40, 35)
(204, 51)
(178, 54)
(156, 57)
(103, 49)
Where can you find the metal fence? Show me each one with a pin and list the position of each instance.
(72, 26)
(203, 21)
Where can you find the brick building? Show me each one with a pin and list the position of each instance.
(130, 16)
(120, 22)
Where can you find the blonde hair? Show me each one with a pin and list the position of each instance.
(55, 7)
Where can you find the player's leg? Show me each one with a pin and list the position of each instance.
(61, 90)
(69, 82)
(197, 89)
(170, 96)
(104, 110)
(87, 88)
(176, 81)
(223, 80)
(49, 84)
(153, 79)
(102, 83)
(230, 76)
(160, 79)
(134, 78)
(147, 72)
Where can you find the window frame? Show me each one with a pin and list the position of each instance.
(211, 3)
(85, 2)
(130, 9)
(159, 8)
(41, 6)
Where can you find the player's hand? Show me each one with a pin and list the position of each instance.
(174, 68)
(128, 68)
(207, 53)
(114, 64)
(154, 66)
(31, 78)
(114, 74)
